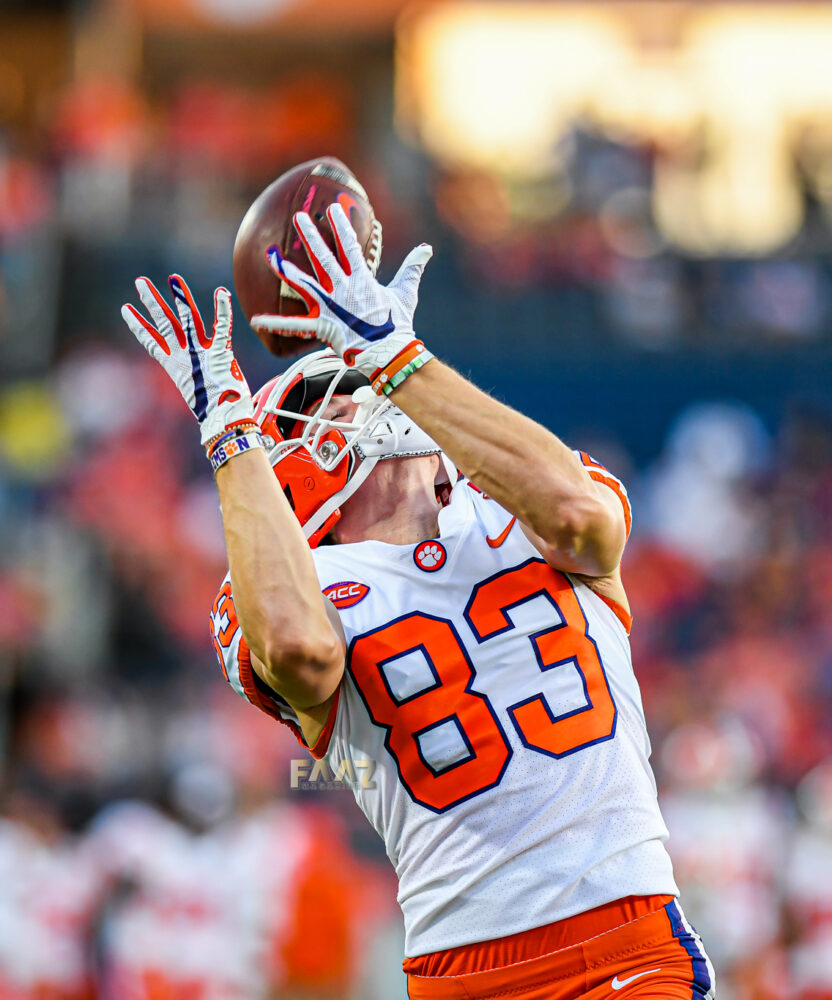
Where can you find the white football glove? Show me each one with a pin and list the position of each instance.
(367, 323)
(201, 364)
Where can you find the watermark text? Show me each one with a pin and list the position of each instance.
(318, 776)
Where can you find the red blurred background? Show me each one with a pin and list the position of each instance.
(658, 263)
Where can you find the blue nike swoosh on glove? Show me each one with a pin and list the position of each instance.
(359, 326)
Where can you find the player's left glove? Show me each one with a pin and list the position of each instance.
(200, 363)
(369, 324)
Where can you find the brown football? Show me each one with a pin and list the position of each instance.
(309, 187)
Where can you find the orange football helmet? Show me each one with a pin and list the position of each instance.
(319, 462)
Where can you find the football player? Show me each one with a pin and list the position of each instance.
(459, 648)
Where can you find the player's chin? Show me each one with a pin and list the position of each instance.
(402, 470)
(407, 480)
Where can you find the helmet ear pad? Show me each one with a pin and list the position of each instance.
(305, 483)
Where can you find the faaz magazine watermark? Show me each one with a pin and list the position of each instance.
(317, 776)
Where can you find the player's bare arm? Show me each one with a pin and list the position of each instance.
(293, 632)
(577, 524)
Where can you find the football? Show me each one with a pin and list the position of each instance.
(309, 187)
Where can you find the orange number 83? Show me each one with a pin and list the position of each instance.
(452, 697)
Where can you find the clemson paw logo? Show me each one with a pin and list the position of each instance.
(430, 556)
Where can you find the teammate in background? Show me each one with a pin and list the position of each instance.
(808, 887)
(222, 915)
(471, 638)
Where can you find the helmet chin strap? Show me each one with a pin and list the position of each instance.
(449, 468)
(330, 506)
(420, 444)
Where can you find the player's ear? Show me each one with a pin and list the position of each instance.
(439, 474)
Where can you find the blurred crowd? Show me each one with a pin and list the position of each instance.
(113, 178)
(151, 847)
(590, 225)
(155, 807)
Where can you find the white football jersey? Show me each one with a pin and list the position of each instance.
(496, 700)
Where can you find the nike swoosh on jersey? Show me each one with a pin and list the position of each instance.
(359, 326)
(495, 543)
(618, 984)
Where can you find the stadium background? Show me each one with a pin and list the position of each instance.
(631, 208)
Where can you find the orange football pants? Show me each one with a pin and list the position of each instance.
(639, 948)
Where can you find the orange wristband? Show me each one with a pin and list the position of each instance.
(404, 364)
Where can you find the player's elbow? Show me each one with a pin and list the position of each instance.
(587, 530)
(298, 659)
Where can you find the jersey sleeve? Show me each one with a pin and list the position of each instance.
(601, 474)
(234, 656)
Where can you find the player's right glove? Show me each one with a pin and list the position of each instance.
(369, 324)
(201, 363)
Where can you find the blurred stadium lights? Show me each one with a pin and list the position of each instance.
(314, 19)
(242, 11)
(720, 90)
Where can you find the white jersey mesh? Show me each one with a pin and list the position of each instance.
(546, 836)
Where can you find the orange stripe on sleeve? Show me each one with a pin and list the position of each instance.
(267, 705)
(615, 486)
(322, 742)
(253, 693)
(620, 612)
(601, 474)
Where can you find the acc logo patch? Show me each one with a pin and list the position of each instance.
(346, 594)
(430, 556)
